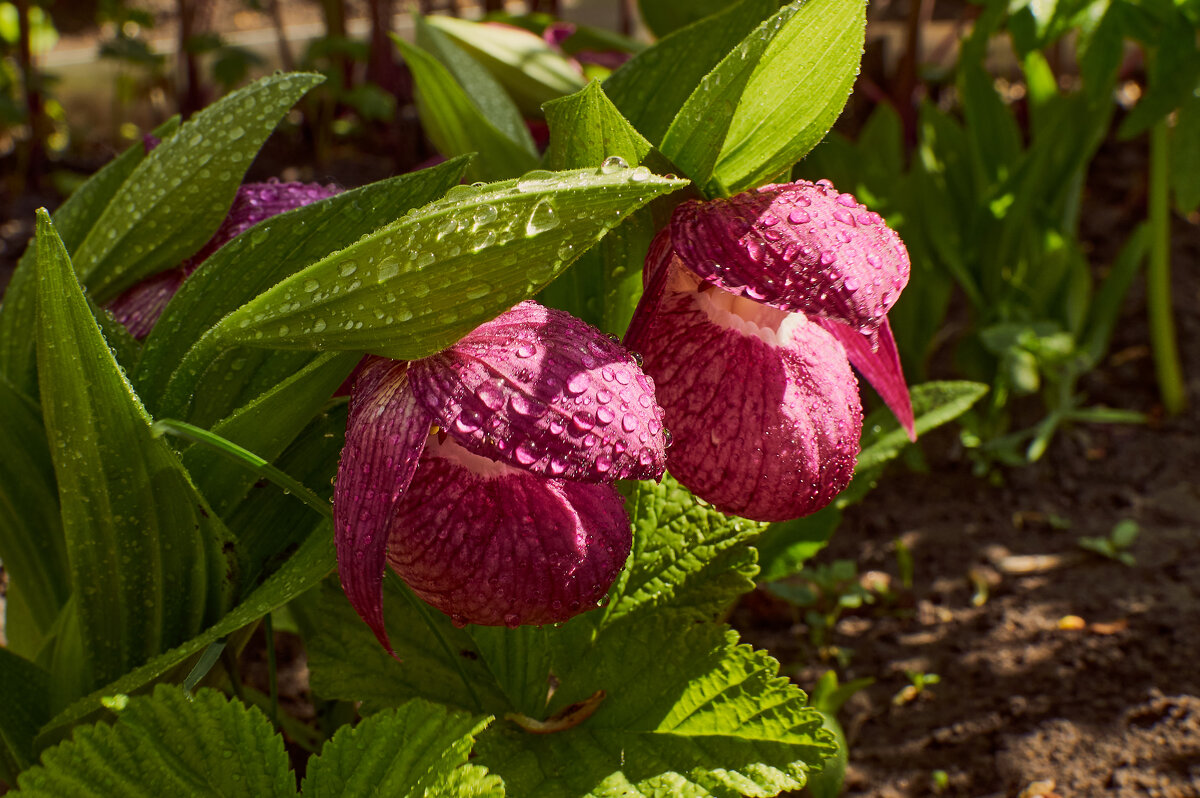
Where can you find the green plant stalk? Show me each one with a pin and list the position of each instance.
(1167, 366)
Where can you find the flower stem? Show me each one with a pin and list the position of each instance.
(1167, 366)
(245, 457)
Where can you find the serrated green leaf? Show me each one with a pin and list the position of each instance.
(24, 694)
(439, 272)
(531, 72)
(480, 87)
(695, 138)
(797, 91)
(419, 749)
(312, 561)
(266, 427)
(686, 711)
(168, 744)
(436, 660)
(73, 220)
(686, 555)
(458, 126)
(585, 130)
(143, 548)
(31, 540)
(177, 196)
(652, 87)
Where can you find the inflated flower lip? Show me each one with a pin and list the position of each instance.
(525, 408)
(755, 308)
(140, 306)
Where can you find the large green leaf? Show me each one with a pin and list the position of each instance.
(458, 124)
(417, 750)
(482, 89)
(177, 196)
(686, 711)
(797, 91)
(24, 694)
(31, 540)
(418, 285)
(74, 219)
(666, 16)
(694, 139)
(311, 562)
(530, 71)
(145, 553)
(586, 129)
(170, 743)
(652, 87)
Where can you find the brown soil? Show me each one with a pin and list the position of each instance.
(1028, 704)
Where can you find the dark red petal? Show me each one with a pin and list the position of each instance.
(880, 367)
(385, 434)
(489, 544)
(542, 391)
(763, 409)
(797, 247)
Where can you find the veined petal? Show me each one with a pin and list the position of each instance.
(762, 404)
(797, 247)
(490, 544)
(141, 305)
(385, 434)
(880, 367)
(540, 390)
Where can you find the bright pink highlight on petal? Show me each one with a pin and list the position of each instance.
(762, 404)
(385, 434)
(880, 367)
(542, 391)
(490, 544)
(800, 247)
(140, 306)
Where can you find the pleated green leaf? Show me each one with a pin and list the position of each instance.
(457, 125)
(177, 196)
(314, 559)
(694, 139)
(170, 743)
(74, 220)
(586, 129)
(417, 750)
(797, 91)
(652, 87)
(145, 552)
(418, 285)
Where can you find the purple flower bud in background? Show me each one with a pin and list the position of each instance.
(140, 306)
(480, 474)
(756, 307)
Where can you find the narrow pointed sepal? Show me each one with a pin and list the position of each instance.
(489, 544)
(764, 411)
(385, 434)
(801, 247)
(542, 391)
(880, 366)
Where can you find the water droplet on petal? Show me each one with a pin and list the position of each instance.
(799, 217)
(578, 383)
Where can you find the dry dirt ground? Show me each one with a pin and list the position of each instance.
(1109, 705)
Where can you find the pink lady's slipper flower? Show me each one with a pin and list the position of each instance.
(140, 306)
(756, 306)
(480, 473)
